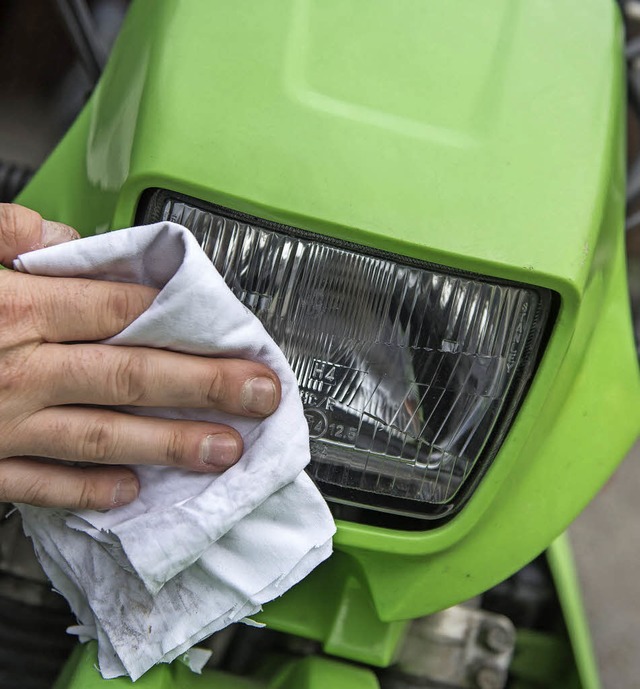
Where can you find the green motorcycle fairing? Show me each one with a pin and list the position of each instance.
(481, 136)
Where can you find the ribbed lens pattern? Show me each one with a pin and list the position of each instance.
(403, 371)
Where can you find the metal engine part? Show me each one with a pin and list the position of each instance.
(21, 577)
(33, 618)
(458, 648)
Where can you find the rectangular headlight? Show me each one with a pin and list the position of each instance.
(409, 373)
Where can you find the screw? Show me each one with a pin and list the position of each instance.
(488, 677)
(497, 637)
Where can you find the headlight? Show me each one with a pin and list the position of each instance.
(409, 373)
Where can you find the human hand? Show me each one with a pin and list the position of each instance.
(50, 365)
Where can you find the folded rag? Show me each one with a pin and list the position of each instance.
(195, 552)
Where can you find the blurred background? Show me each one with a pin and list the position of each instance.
(52, 54)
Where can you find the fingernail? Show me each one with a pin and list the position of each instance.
(56, 233)
(126, 491)
(219, 449)
(259, 396)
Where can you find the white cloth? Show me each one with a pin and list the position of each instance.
(195, 552)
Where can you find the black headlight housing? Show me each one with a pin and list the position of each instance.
(410, 373)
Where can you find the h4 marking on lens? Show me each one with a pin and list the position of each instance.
(324, 371)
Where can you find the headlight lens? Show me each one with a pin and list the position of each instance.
(409, 373)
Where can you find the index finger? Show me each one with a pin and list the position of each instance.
(76, 309)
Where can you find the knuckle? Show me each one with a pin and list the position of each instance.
(21, 383)
(19, 230)
(15, 378)
(34, 491)
(10, 216)
(174, 449)
(98, 443)
(130, 378)
(6, 484)
(215, 390)
(17, 306)
(87, 495)
(123, 306)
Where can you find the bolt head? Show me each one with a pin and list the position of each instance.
(488, 677)
(498, 638)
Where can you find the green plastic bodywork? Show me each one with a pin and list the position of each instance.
(313, 672)
(542, 660)
(481, 136)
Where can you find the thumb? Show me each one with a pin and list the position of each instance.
(22, 230)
